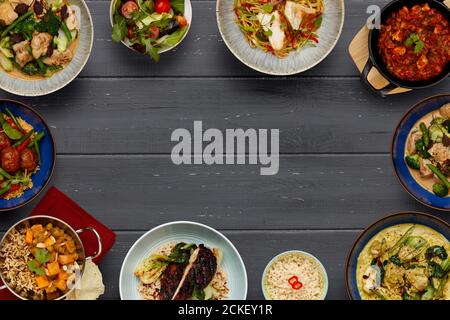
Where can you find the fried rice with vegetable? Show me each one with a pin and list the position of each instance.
(37, 37)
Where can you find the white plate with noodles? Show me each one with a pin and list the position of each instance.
(280, 37)
(183, 260)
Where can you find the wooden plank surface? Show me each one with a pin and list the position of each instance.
(135, 192)
(320, 115)
(112, 127)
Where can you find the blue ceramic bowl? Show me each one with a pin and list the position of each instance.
(398, 152)
(399, 218)
(47, 150)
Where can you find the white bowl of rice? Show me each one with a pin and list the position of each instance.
(294, 275)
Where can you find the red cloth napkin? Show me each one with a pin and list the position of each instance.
(57, 204)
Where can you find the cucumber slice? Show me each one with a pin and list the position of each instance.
(61, 41)
(6, 63)
(7, 52)
(74, 34)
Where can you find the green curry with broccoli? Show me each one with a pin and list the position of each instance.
(37, 37)
(427, 151)
(405, 262)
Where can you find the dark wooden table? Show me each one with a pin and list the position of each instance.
(113, 124)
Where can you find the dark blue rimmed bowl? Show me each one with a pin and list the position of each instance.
(398, 218)
(398, 153)
(47, 150)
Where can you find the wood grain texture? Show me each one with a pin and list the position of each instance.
(320, 115)
(309, 192)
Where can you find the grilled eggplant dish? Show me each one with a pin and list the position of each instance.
(182, 271)
(405, 262)
(427, 151)
(37, 37)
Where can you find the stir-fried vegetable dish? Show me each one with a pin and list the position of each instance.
(37, 37)
(428, 151)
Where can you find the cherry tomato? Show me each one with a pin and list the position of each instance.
(181, 21)
(154, 33)
(130, 33)
(128, 8)
(162, 6)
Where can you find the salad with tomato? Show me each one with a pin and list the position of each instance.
(149, 26)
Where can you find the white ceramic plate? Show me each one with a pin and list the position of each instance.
(187, 15)
(296, 62)
(190, 232)
(70, 72)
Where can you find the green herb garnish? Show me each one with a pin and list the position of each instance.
(414, 39)
(33, 266)
(42, 255)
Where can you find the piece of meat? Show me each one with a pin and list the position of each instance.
(200, 274)
(23, 55)
(425, 172)
(7, 13)
(440, 153)
(40, 43)
(28, 160)
(296, 13)
(445, 110)
(59, 58)
(71, 21)
(170, 280)
(10, 159)
(4, 141)
(417, 278)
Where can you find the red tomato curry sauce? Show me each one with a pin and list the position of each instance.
(415, 43)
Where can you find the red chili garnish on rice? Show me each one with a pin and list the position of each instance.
(295, 284)
(293, 280)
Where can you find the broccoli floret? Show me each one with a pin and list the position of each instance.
(30, 69)
(50, 23)
(413, 161)
(440, 190)
(26, 28)
(437, 121)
